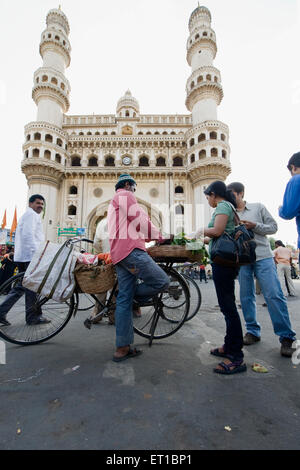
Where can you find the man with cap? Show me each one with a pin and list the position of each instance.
(129, 228)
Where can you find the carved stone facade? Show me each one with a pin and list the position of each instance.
(74, 161)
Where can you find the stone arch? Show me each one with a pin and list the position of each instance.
(99, 211)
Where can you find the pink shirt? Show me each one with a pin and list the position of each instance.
(129, 226)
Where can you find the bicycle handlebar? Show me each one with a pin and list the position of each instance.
(77, 240)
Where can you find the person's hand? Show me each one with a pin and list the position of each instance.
(166, 241)
(249, 225)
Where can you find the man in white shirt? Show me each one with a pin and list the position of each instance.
(29, 235)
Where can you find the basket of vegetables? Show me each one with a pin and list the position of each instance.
(180, 250)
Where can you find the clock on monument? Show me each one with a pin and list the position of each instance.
(126, 160)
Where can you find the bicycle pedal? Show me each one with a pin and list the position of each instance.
(88, 323)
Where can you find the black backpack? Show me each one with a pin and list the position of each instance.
(237, 249)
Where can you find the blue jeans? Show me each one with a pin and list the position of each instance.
(137, 265)
(15, 294)
(223, 278)
(266, 274)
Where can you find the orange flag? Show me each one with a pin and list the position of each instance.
(4, 220)
(14, 224)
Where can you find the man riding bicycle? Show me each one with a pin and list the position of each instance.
(129, 228)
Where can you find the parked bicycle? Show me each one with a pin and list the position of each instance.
(160, 318)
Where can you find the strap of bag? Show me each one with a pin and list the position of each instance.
(50, 268)
(237, 219)
(60, 273)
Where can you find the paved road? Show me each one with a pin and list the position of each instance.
(168, 398)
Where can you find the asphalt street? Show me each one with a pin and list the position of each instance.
(68, 394)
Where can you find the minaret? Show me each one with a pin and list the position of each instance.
(207, 142)
(45, 148)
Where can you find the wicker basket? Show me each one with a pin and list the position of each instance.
(95, 279)
(175, 253)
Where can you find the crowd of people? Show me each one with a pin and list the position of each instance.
(129, 228)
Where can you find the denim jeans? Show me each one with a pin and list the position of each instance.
(223, 278)
(266, 274)
(137, 265)
(15, 294)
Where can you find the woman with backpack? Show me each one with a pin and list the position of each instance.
(223, 219)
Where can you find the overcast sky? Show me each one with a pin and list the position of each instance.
(141, 45)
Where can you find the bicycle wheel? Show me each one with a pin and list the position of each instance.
(173, 308)
(19, 332)
(195, 299)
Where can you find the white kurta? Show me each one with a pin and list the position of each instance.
(29, 235)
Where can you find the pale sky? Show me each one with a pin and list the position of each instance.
(141, 45)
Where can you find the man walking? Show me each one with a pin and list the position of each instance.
(283, 259)
(129, 227)
(257, 218)
(290, 208)
(29, 235)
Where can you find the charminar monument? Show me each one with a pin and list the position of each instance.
(74, 161)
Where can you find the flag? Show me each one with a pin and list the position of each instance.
(4, 220)
(14, 224)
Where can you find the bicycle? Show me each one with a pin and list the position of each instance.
(161, 317)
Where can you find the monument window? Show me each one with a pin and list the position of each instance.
(73, 190)
(58, 158)
(54, 81)
(177, 161)
(192, 142)
(213, 135)
(192, 158)
(127, 114)
(144, 161)
(109, 161)
(202, 154)
(59, 142)
(28, 137)
(223, 137)
(26, 154)
(44, 78)
(37, 136)
(93, 161)
(75, 161)
(208, 78)
(179, 210)
(47, 154)
(224, 154)
(179, 190)
(35, 153)
(201, 137)
(48, 138)
(161, 161)
(72, 210)
(214, 152)
(200, 79)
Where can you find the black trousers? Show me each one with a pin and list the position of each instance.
(223, 278)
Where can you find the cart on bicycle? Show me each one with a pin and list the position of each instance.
(161, 317)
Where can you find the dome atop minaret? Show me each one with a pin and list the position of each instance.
(128, 101)
(200, 12)
(57, 16)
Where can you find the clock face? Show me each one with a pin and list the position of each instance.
(126, 160)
